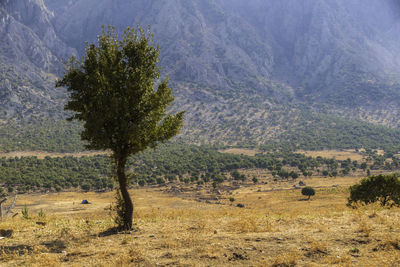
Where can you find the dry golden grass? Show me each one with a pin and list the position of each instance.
(240, 151)
(338, 154)
(43, 154)
(275, 228)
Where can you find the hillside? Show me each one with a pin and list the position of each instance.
(247, 73)
(30, 60)
(341, 53)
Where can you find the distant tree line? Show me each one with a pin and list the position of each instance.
(32, 174)
(174, 163)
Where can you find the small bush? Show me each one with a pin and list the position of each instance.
(119, 209)
(25, 212)
(160, 180)
(237, 176)
(86, 187)
(308, 191)
(41, 215)
(381, 188)
(2, 192)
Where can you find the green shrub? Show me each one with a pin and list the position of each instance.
(86, 187)
(41, 215)
(380, 188)
(119, 209)
(308, 191)
(160, 180)
(25, 212)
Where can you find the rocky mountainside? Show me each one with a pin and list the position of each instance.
(30, 58)
(324, 50)
(243, 70)
(344, 54)
(200, 43)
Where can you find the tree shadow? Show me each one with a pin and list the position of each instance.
(55, 246)
(110, 231)
(115, 230)
(6, 233)
(17, 249)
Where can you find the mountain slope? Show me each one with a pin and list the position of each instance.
(326, 50)
(199, 42)
(30, 59)
(246, 72)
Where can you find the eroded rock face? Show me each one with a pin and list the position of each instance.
(30, 58)
(316, 50)
(199, 41)
(27, 28)
(328, 48)
(339, 53)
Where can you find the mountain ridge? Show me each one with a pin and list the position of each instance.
(229, 61)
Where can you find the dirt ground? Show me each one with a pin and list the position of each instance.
(197, 226)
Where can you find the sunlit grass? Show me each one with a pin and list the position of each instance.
(275, 228)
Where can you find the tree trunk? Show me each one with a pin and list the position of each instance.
(128, 205)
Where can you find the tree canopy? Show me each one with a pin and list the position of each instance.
(112, 91)
(308, 191)
(384, 189)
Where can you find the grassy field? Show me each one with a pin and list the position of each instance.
(240, 151)
(43, 154)
(337, 154)
(198, 226)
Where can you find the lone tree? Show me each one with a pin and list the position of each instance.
(308, 191)
(112, 91)
(380, 188)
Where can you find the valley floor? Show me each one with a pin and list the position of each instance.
(190, 226)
